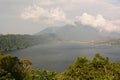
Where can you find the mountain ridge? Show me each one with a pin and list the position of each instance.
(78, 32)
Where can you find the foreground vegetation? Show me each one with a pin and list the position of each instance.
(99, 68)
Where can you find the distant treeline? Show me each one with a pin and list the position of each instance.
(15, 42)
(109, 42)
(99, 68)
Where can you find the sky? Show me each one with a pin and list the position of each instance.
(32, 16)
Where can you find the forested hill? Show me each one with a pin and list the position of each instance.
(15, 42)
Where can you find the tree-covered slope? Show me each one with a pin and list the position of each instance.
(15, 42)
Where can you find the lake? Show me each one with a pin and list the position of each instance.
(58, 56)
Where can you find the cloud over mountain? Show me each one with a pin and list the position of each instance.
(103, 14)
(57, 16)
(98, 22)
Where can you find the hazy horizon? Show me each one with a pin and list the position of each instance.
(32, 16)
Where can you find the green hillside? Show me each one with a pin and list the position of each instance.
(16, 42)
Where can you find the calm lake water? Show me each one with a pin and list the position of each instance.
(59, 56)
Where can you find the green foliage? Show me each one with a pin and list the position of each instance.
(41, 75)
(15, 42)
(99, 68)
(10, 42)
(13, 68)
(4, 75)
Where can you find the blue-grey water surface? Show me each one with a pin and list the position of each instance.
(59, 56)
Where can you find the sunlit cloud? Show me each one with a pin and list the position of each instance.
(103, 14)
(98, 22)
(47, 16)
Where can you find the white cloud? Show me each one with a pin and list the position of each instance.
(52, 12)
(46, 16)
(51, 2)
(44, 2)
(108, 8)
(98, 22)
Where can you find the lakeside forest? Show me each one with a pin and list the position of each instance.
(13, 68)
(12, 42)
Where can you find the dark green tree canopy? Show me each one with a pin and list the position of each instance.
(99, 68)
